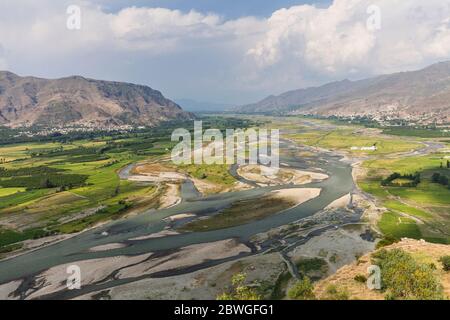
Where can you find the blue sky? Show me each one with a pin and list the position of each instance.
(224, 51)
(230, 9)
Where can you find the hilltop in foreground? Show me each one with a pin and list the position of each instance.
(26, 101)
(416, 267)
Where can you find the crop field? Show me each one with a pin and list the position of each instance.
(354, 141)
(427, 204)
(72, 183)
(48, 188)
(416, 212)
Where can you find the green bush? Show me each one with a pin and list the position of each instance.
(405, 279)
(386, 241)
(445, 260)
(239, 290)
(335, 293)
(302, 290)
(360, 278)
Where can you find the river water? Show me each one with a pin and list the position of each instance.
(77, 248)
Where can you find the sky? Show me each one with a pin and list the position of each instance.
(223, 51)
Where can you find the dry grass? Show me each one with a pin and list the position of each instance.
(422, 251)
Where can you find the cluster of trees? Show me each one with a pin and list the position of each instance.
(41, 177)
(390, 181)
(12, 136)
(439, 178)
(45, 181)
(448, 165)
(28, 171)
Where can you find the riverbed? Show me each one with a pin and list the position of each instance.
(132, 236)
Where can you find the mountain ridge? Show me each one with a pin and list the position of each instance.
(76, 100)
(417, 95)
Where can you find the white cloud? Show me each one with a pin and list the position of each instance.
(193, 53)
(336, 39)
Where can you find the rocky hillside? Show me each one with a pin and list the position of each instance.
(76, 100)
(418, 95)
(349, 280)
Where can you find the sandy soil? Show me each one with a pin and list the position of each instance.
(268, 176)
(339, 203)
(106, 247)
(161, 234)
(95, 270)
(205, 284)
(7, 288)
(181, 216)
(159, 177)
(297, 195)
(171, 197)
(206, 187)
(344, 277)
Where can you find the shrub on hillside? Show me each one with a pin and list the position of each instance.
(405, 279)
(360, 278)
(302, 290)
(239, 290)
(335, 293)
(445, 260)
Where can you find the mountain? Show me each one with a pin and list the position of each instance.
(422, 95)
(202, 106)
(75, 100)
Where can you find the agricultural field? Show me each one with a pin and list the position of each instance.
(53, 188)
(69, 184)
(64, 188)
(416, 212)
(419, 212)
(355, 140)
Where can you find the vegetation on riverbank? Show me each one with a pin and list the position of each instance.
(240, 212)
(67, 183)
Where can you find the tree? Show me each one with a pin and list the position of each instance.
(443, 180)
(239, 290)
(435, 177)
(445, 260)
(302, 290)
(45, 184)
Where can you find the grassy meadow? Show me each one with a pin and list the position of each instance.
(427, 204)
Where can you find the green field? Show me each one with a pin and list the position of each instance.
(45, 186)
(417, 132)
(218, 174)
(428, 202)
(352, 140)
(69, 183)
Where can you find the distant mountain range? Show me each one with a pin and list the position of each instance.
(75, 100)
(422, 96)
(202, 106)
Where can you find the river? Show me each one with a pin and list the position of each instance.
(340, 183)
